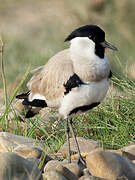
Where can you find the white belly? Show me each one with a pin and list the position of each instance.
(84, 95)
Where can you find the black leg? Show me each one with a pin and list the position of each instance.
(68, 141)
(80, 160)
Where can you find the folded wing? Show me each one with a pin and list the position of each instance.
(49, 82)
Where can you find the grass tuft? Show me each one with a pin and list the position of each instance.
(9, 104)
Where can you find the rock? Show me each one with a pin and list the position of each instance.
(85, 146)
(13, 166)
(53, 175)
(36, 162)
(133, 161)
(86, 172)
(31, 152)
(72, 167)
(128, 155)
(129, 151)
(124, 153)
(90, 178)
(66, 173)
(109, 165)
(65, 161)
(122, 178)
(10, 141)
(52, 165)
(28, 151)
(120, 152)
(34, 154)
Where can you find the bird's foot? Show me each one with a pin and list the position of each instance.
(81, 162)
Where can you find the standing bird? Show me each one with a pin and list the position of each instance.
(75, 79)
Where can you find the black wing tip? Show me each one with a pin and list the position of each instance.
(30, 114)
(23, 95)
(19, 96)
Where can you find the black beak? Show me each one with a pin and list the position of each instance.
(105, 44)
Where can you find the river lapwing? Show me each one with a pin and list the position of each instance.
(74, 80)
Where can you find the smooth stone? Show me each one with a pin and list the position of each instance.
(32, 152)
(120, 152)
(124, 153)
(109, 165)
(53, 175)
(133, 161)
(88, 176)
(72, 167)
(8, 141)
(129, 151)
(122, 178)
(85, 146)
(52, 165)
(65, 161)
(28, 151)
(91, 178)
(13, 166)
(35, 162)
(66, 173)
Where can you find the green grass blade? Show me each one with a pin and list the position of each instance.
(12, 97)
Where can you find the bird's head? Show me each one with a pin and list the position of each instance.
(95, 35)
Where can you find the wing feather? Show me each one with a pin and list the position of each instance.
(50, 80)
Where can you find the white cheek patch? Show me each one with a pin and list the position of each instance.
(82, 48)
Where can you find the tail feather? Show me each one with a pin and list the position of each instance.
(23, 96)
(33, 106)
(32, 112)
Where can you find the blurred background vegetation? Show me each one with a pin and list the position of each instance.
(35, 30)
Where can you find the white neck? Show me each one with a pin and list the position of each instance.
(82, 49)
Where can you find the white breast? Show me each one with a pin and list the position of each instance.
(86, 62)
(82, 48)
(84, 95)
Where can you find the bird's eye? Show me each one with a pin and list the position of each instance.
(90, 36)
